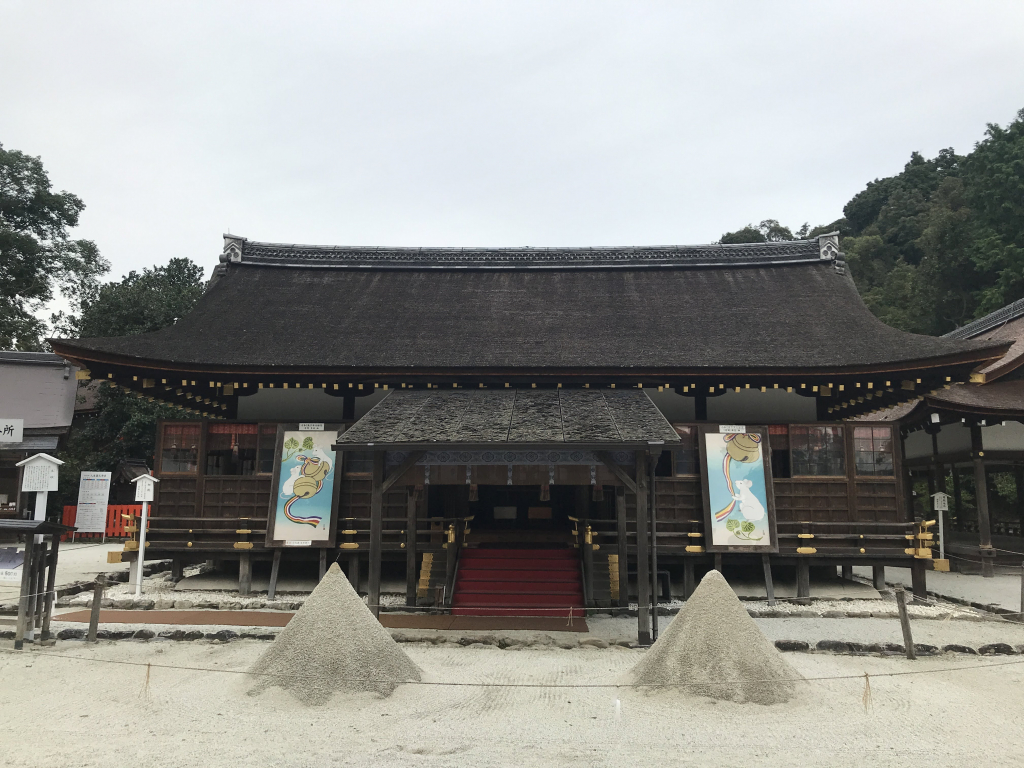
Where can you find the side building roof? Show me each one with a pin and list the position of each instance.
(1006, 325)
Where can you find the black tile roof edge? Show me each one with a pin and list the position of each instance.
(31, 358)
(239, 250)
(988, 322)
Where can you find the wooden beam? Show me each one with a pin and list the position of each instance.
(376, 530)
(26, 589)
(618, 471)
(404, 467)
(621, 535)
(51, 577)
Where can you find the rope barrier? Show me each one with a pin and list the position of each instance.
(453, 684)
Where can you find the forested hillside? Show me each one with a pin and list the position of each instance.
(940, 243)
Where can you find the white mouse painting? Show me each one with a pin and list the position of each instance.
(750, 507)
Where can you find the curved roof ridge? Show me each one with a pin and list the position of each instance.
(240, 250)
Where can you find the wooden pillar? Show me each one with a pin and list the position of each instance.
(38, 581)
(323, 563)
(918, 578)
(1018, 481)
(275, 569)
(411, 559)
(245, 574)
(51, 580)
(981, 496)
(847, 572)
(348, 408)
(354, 576)
(803, 581)
(878, 577)
(643, 563)
(623, 544)
(958, 497)
(652, 463)
(24, 607)
(588, 565)
(177, 569)
(769, 585)
(688, 578)
(700, 407)
(376, 530)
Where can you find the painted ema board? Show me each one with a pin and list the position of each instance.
(305, 486)
(739, 504)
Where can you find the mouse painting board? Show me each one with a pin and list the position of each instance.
(739, 505)
(302, 508)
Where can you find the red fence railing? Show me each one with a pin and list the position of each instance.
(116, 524)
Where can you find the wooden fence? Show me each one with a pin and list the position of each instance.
(116, 523)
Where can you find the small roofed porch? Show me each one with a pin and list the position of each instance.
(517, 476)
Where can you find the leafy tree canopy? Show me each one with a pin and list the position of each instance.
(37, 255)
(125, 426)
(939, 244)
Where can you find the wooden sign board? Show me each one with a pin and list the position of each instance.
(306, 486)
(739, 502)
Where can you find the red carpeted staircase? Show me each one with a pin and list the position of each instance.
(517, 582)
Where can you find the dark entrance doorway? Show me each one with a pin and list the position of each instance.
(520, 508)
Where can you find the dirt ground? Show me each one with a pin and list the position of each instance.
(82, 712)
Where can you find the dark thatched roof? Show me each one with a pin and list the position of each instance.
(665, 310)
(519, 416)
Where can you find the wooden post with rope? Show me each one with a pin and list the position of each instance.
(908, 640)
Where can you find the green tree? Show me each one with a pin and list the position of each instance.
(124, 425)
(768, 231)
(140, 302)
(37, 255)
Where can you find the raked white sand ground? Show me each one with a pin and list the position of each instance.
(82, 712)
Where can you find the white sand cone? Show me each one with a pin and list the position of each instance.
(333, 644)
(714, 648)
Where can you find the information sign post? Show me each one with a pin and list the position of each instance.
(145, 485)
(39, 475)
(93, 496)
(941, 501)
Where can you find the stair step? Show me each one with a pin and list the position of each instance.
(520, 588)
(497, 574)
(512, 601)
(565, 553)
(520, 564)
(559, 614)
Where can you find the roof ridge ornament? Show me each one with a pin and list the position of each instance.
(232, 252)
(828, 249)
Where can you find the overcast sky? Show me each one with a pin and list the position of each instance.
(487, 123)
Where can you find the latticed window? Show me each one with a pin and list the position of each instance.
(231, 449)
(179, 452)
(872, 450)
(684, 456)
(817, 450)
(268, 444)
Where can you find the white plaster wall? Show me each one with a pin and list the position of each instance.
(1003, 438)
(676, 408)
(300, 405)
(953, 438)
(918, 444)
(776, 406)
(39, 394)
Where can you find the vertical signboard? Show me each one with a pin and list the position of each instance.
(93, 496)
(305, 479)
(739, 506)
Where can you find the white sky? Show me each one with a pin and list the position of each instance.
(487, 123)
